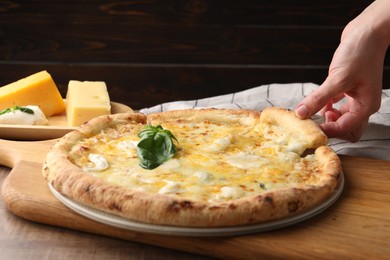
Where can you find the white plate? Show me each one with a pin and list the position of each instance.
(120, 222)
(56, 127)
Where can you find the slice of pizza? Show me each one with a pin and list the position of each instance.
(196, 168)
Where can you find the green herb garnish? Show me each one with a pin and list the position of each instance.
(14, 108)
(156, 146)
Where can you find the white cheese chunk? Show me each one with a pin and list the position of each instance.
(219, 144)
(18, 117)
(228, 192)
(129, 147)
(296, 146)
(246, 161)
(171, 187)
(99, 161)
(128, 144)
(289, 157)
(203, 176)
(144, 177)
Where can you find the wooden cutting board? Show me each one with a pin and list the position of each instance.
(356, 226)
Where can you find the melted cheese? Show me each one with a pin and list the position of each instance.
(214, 161)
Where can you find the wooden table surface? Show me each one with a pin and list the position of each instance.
(22, 239)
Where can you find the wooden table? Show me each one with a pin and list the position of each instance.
(21, 239)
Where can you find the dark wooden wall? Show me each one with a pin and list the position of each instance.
(151, 51)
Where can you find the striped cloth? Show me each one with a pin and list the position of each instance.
(375, 142)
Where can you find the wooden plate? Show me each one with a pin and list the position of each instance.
(56, 127)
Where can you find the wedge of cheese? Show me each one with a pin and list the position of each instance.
(38, 89)
(86, 100)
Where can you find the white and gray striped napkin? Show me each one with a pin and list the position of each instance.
(375, 142)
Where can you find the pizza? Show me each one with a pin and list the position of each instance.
(196, 168)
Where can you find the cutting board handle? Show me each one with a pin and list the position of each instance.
(11, 152)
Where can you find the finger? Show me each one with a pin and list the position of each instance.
(333, 132)
(332, 116)
(338, 98)
(329, 108)
(354, 136)
(326, 108)
(348, 126)
(316, 100)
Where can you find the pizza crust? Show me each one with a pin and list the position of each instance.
(307, 128)
(245, 117)
(73, 182)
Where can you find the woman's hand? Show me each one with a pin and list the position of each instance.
(355, 75)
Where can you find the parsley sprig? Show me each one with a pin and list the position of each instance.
(14, 108)
(156, 146)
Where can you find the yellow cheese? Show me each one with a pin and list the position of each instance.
(38, 89)
(86, 100)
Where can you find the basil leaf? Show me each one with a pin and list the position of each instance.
(156, 146)
(14, 108)
(26, 110)
(5, 111)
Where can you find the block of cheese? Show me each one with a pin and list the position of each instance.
(38, 89)
(86, 100)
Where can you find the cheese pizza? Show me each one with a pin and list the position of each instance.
(196, 168)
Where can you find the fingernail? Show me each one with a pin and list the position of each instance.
(302, 112)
